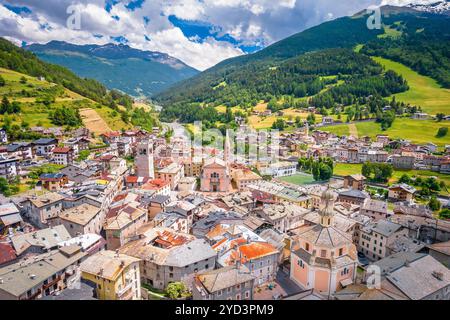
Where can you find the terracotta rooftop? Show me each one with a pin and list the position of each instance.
(154, 184)
(7, 253)
(61, 150)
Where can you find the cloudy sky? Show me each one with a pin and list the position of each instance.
(199, 32)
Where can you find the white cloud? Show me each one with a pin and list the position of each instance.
(253, 22)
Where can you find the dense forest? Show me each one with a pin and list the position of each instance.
(331, 77)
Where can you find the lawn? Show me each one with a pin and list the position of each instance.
(424, 91)
(344, 169)
(259, 122)
(298, 179)
(418, 131)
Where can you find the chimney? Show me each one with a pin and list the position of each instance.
(438, 275)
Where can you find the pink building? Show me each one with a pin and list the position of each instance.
(324, 258)
(215, 176)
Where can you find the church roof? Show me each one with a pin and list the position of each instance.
(330, 237)
(215, 160)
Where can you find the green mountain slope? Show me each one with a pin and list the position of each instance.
(117, 66)
(20, 60)
(230, 82)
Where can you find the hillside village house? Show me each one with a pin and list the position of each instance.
(121, 228)
(187, 184)
(377, 236)
(53, 181)
(170, 174)
(114, 276)
(244, 177)
(404, 276)
(403, 161)
(238, 246)
(229, 283)
(355, 181)
(9, 168)
(77, 144)
(375, 209)
(167, 256)
(21, 150)
(272, 192)
(401, 192)
(43, 208)
(9, 217)
(44, 146)
(353, 196)
(157, 204)
(39, 241)
(282, 216)
(42, 275)
(279, 169)
(156, 187)
(81, 219)
(62, 156)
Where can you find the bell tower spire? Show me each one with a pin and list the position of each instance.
(326, 210)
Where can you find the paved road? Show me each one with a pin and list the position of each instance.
(289, 286)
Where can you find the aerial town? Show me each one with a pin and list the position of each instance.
(212, 156)
(141, 218)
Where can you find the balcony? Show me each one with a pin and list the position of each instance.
(126, 292)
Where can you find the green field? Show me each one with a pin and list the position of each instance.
(424, 91)
(298, 179)
(35, 113)
(344, 169)
(418, 131)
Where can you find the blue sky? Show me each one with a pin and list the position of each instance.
(199, 32)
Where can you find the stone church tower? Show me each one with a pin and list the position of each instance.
(144, 160)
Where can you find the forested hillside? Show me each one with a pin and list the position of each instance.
(17, 59)
(309, 69)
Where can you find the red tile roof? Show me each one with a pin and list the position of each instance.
(107, 157)
(61, 150)
(155, 184)
(111, 134)
(7, 253)
(256, 250)
(131, 179)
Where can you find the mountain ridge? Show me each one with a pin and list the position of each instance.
(113, 64)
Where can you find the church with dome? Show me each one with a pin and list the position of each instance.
(323, 257)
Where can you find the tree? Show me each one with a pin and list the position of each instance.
(444, 214)
(434, 204)
(5, 187)
(2, 81)
(405, 179)
(442, 132)
(377, 172)
(440, 117)
(83, 155)
(5, 105)
(279, 124)
(23, 80)
(176, 290)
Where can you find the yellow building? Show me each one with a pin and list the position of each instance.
(114, 276)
